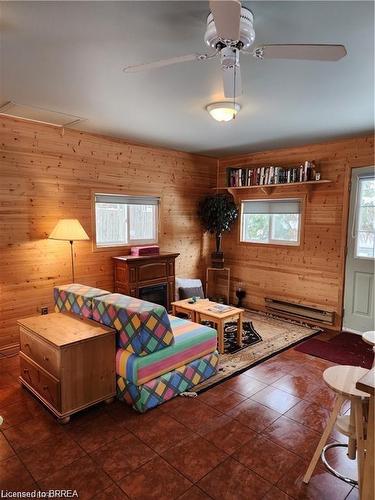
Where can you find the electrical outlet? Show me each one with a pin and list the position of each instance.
(44, 310)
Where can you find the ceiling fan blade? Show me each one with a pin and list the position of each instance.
(232, 81)
(308, 52)
(166, 62)
(226, 15)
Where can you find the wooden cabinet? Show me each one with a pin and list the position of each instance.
(134, 274)
(38, 350)
(47, 386)
(67, 362)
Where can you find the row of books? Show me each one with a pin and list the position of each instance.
(238, 177)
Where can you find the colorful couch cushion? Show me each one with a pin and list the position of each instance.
(76, 298)
(170, 384)
(191, 341)
(142, 327)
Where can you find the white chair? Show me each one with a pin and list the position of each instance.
(186, 283)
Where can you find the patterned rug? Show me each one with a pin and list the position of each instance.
(250, 336)
(275, 335)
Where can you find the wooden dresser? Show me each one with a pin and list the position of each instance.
(136, 275)
(67, 362)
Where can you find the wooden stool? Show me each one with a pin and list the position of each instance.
(342, 380)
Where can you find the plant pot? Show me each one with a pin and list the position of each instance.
(217, 260)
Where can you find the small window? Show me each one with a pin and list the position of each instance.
(271, 221)
(125, 220)
(365, 243)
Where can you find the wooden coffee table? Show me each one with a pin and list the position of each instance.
(200, 311)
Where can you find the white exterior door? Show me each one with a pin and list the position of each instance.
(359, 278)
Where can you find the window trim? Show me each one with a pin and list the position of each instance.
(276, 243)
(116, 192)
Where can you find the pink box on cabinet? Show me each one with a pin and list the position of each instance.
(145, 250)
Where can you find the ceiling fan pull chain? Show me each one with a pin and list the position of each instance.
(234, 90)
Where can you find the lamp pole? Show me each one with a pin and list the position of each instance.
(72, 257)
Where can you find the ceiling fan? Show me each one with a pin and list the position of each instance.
(230, 32)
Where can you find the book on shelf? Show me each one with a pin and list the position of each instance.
(261, 176)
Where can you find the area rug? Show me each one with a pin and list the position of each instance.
(249, 337)
(344, 349)
(277, 334)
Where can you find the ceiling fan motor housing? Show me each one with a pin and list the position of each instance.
(247, 33)
(229, 57)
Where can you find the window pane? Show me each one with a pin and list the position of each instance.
(285, 227)
(366, 218)
(142, 222)
(122, 219)
(271, 221)
(256, 227)
(367, 190)
(365, 244)
(111, 224)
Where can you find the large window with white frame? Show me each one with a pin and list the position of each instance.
(122, 220)
(271, 221)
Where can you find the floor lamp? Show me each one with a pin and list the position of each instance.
(69, 230)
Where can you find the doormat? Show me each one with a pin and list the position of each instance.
(344, 349)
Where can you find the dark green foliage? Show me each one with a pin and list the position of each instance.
(217, 213)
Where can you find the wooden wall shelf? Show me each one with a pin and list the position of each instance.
(268, 188)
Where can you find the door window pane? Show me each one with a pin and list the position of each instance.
(366, 218)
(365, 244)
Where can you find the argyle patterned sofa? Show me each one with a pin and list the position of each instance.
(148, 381)
(142, 327)
(158, 355)
(76, 298)
(167, 386)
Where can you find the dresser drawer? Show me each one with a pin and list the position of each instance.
(44, 384)
(42, 353)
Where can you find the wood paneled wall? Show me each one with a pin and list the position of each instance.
(46, 175)
(312, 273)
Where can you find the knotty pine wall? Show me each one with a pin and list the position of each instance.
(45, 175)
(312, 273)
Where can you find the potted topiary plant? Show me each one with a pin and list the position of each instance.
(218, 213)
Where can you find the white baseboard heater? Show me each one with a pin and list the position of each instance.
(307, 313)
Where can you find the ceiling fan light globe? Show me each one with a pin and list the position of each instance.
(223, 111)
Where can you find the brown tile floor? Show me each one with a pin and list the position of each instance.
(248, 438)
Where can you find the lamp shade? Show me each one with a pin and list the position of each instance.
(69, 230)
